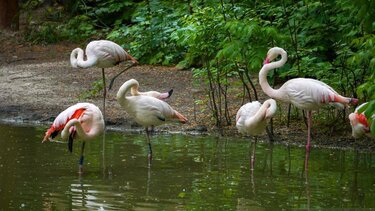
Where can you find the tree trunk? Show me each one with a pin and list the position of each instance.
(9, 14)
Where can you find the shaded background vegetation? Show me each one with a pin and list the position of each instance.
(224, 42)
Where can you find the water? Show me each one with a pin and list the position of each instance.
(187, 173)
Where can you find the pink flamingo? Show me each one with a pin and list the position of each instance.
(251, 119)
(360, 124)
(102, 54)
(146, 110)
(82, 120)
(304, 93)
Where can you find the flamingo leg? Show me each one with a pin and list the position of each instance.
(104, 93)
(81, 159)
(252, 159)
(113, 79)
(309, 119)
(149, 146)
(308, 146)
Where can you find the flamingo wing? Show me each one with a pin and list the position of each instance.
(307, 93)
(152, 111)
(73, 112)
(107, 52)
(245, 119)
(248, 110)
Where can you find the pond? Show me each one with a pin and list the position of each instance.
(187, 173)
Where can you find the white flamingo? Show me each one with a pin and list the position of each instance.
(251, 119)
(146, 110)
(360, 124)
(82, 120)
(304, 93)
(102, 54)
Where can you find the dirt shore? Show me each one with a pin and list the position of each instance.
(37, 82)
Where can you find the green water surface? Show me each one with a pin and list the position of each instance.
(187, 173)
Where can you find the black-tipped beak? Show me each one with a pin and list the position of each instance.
(170, 92)
(70, 143)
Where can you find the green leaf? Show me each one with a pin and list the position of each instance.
(370, 110)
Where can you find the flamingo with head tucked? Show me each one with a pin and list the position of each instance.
(82, 120)
(251, 119)
(146, 110)
(360, 124)
(102, 54)
(304, 93)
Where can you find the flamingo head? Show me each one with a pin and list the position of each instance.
(272, 54)
(74, 57)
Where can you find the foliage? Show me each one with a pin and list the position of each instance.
(97, 87)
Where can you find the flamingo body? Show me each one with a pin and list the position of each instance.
(251, 118)
(85, 120)
(100, 53)
(82, 120)
(146, 110)
(360, 124)
(304, 93)
(308, 94)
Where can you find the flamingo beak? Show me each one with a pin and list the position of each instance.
(166, 95)
(266, 61)
(170, 93)
(353, 101)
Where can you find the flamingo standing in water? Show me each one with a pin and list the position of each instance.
(82, 120)
(102, 54)
(251, 119)
(360, 124)
(304, 93)
(146, 110)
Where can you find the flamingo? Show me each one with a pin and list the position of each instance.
(251, 119)
(360, 124)
(304, 93)
(82, 120)
(146, 110)
(102, 54)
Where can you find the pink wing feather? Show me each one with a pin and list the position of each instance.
(73, 112)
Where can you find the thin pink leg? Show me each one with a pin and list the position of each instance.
(308, 146)
(252, 159)
(309, 116)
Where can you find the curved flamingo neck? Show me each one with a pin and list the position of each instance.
(124, 89)
(272, 107)
(92, 133)
(259, 116)
(76, 59)
(264, 72)
(134, 90)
